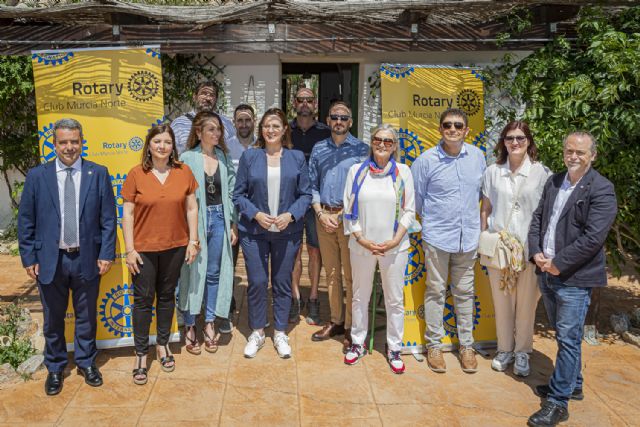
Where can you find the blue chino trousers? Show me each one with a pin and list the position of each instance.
(257, 249)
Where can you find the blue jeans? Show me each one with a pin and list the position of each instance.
(566, 308)
(215, 241)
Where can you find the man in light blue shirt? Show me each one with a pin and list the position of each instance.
(205, 98)
(244, 120)
(447, 181)
(328, 167)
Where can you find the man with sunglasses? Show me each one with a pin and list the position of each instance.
(328, 168)
(306, 131)
(205, 98)
(447, 180)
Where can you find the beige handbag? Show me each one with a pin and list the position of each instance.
(493, 252)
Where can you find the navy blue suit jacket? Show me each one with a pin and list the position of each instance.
(250, 193)
(39, 220)
(582, 228)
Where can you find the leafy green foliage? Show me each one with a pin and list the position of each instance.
(19, 348)
(592, 84)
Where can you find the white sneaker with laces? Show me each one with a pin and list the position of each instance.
(521, 366)
(355, 353)
(254, 343)
(281, 343)
(502, 360)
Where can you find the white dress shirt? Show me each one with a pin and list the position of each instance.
(61, 175)
(549, 243)
(499, 185)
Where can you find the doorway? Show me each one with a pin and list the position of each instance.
(332, 82)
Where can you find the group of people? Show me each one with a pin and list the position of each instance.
(206, 186)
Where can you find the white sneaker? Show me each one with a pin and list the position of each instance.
(281, 343)
(254, 343)
(502, 360)
(521, 367)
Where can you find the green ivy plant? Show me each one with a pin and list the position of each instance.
(593, 84)
(19, 348)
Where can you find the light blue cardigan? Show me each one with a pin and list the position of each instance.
(193, 277)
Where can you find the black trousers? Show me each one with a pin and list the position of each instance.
(157, 280)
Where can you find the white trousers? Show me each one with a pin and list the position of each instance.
(516, 312)
(392, 268)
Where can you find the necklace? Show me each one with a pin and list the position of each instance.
(211, 186)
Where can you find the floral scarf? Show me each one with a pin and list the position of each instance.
(509, 275)
(351, 211)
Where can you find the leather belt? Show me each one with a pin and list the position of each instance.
(71, 250)
(331, 209)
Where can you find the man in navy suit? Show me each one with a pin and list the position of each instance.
(67, 233)
(566, 241)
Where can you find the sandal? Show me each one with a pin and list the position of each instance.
(168, 362)
(210, 344)
(193, 346)
(140, 374)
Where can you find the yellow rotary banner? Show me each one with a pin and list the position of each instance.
(413, 97)
(116, 94)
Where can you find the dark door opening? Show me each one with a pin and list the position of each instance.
(332, 82)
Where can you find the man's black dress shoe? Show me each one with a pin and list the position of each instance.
(92, 376)
(549, 415)
(543, 391)
(53, 384)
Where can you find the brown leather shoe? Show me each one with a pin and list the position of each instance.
(436, 361)
(347, 342)
(468, 360)
(329, 330)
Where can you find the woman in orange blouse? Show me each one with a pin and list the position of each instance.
(160, 230)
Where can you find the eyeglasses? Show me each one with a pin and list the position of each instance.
(388, 142)
(307, 99)
(447, 125)
(519, 139)
(336, 117)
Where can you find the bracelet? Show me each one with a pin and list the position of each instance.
(319, 213)
(194, 242)
(357, 238)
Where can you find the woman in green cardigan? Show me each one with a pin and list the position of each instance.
(209, 278)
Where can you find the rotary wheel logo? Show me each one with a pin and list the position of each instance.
(116, 182)
(469, 101)
(410, 146)
(396, 71)
(415, 266)
(420, 312)
(53, 59)
(116, 309)
(143, 86)
(450, 325)
(47, 149)
(136, 143)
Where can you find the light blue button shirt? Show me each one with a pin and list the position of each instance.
(448, 197)
(329, 165)
(181, 127)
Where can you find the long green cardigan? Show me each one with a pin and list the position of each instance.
(193, 277)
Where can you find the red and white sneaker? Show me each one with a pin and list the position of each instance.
(355, 353)
(395, 362)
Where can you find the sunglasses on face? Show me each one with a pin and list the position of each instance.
(448, 125)
(336, 117)
(388, 142)
(307, 99)
(519, 139)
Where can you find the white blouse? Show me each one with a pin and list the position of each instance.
(377, 208)
(500, 186)
(273, 193)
